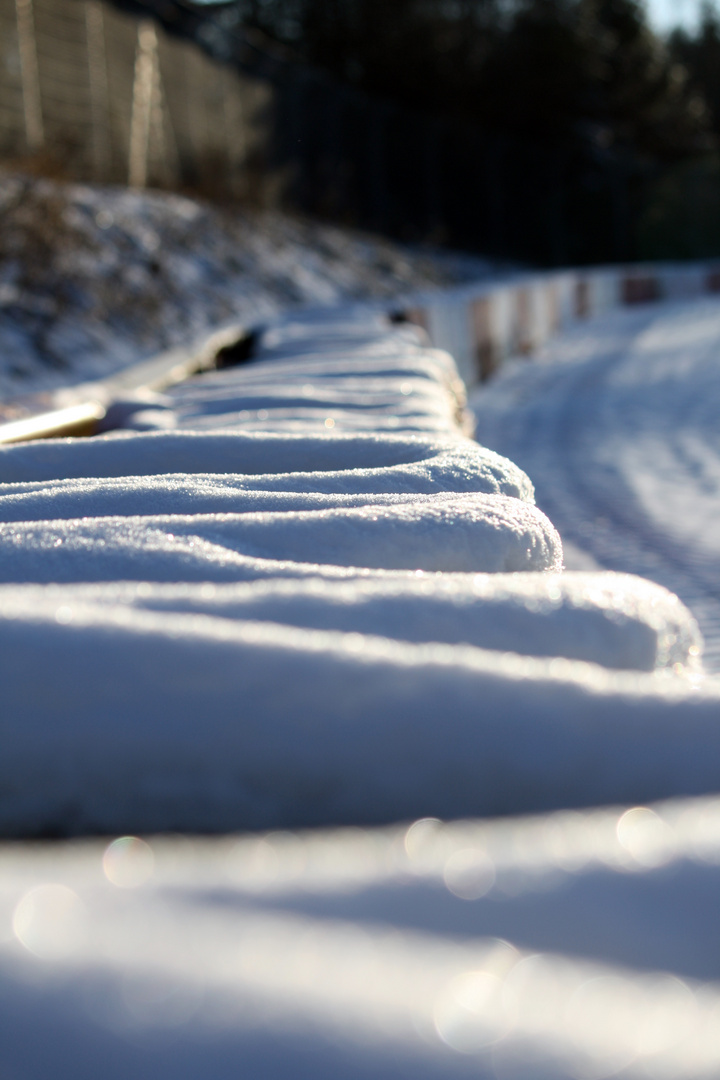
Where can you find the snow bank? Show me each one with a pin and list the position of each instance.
(262, 630)
(567, 945)
(371, 381)
(618, 423)
(181, 493)
(285, 419)
(608, 619)
(542, 946)
(164, 721)
(462, 533)
(271, 622)
(370, 666)
(329, 463)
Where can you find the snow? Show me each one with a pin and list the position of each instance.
(295, 595)
(374, 380)
(93, 278)
(175, 721)
(311, 463)
(489, 533)
(572, 944)
(607, 619)
(616, 423)
(382, 568)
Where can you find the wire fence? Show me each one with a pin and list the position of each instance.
(110, 95)
(113, 98)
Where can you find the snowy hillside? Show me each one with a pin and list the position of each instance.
(95, 278)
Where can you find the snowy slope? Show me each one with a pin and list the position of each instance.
(93, 278)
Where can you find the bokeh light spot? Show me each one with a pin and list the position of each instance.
(469, 874)
(645, 836)
(128, 862)
(49, 921)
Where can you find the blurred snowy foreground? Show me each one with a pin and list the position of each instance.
(294, 599)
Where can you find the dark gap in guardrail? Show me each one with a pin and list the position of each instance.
(238, 352)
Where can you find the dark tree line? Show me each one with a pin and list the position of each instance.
(579, 130)
(699, 54)
(586, 83)
(559, 69)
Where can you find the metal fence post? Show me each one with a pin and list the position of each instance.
(99, 91)
(32, 105)
(142, 103)
(234, 122)
(161, 129)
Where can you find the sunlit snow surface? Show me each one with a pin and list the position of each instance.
(617, 424)
(285, 597)
(566, 946)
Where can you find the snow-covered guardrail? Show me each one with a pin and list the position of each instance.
(277, 595)
(335, 463)
(79, 419)
(78, 410)
(479, 325)
(483, 325)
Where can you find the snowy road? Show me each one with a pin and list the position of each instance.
(616, 423)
